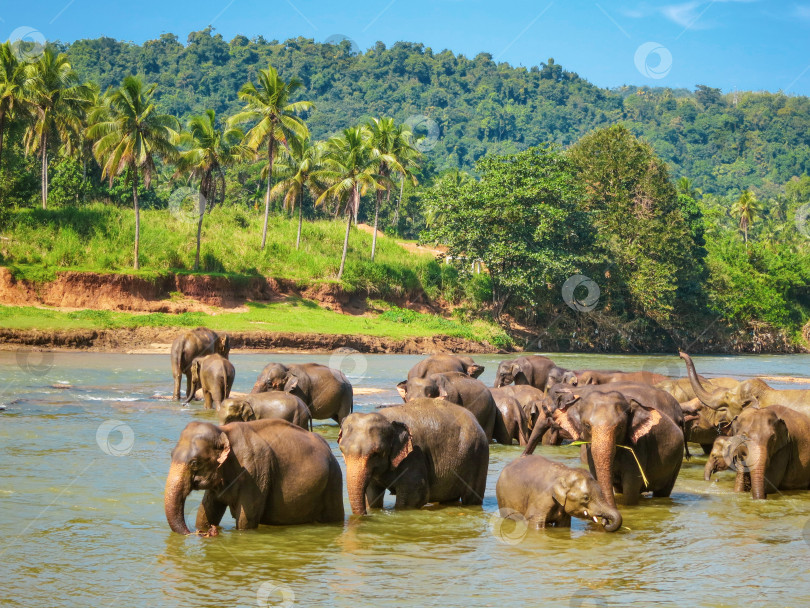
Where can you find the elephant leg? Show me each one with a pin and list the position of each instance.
(538, 522)
(631, 487)
(473, 491)
(208, 398)
(210, 512)
(176, 390)
(739, 481)
(411, 488)
(375, 494)
(707, 448)
(665, 491)
(246, 517)
(188, 384)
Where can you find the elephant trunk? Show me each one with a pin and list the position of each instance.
(705, 397)
(611, 519)
(178, 487)
(711, 467)
(357, 478)
(603, 451)
(757, 458)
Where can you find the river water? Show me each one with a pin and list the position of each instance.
(82, 471)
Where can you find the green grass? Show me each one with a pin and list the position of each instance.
(298, 316)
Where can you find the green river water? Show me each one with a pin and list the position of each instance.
(82, 471)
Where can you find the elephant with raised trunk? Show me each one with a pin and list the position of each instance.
(530, 369)
(190, 345)
(548, 493)
(772, 445)
(265, 471)
(265, 406)
(326, 391)
(425, 451)
(439, 364)
(213, 374)
(606, 419)
(682, 390)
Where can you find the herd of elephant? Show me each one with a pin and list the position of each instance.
(264, 463)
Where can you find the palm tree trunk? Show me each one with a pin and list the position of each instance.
(399, 202)
(300, 219)
(201, 209)
(137, 216)
(2, 133)
(43, 146)
(270, 154)
(356, 196)
(376, 216)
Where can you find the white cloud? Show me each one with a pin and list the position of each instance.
(802, 11)
(688, 14)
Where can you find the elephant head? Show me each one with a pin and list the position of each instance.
(507, 372)
(195, 368)
(733, 400)
(236, 410)
(720, 458)
(419, 387)
(588, 377)
(371, 445)
(471, 368)
(558, 375)
(197, 460)
(579, 495)
(605, 420)
(223, 345)
(758, 435)
(274, 377)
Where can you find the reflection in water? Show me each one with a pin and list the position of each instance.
(84, 525)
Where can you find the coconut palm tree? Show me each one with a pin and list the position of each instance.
(350, 170)
(207, 152)
(409, 163)
(747, 209)
(276, 122)
(294, 171)
(129, 136)
(392, 149)
(58, 103)
(12, 94)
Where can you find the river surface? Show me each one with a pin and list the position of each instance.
(82, 471)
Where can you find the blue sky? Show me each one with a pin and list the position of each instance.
(742, 44)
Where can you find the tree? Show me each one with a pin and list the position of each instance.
(207, 152)
(129, 136)
(12, 81)
(295, 170)
(276, 121)
(58, 103)
(349, 169)
(391, 148)
(522, 220)
(746, 209)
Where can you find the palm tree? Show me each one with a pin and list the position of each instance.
(349, 168)
(129, 134)
(208, 151)
(747, 208)
(392, 149)
(295, 170)
(409, 162)
(270, 106)
(12, 81)
(58, 103)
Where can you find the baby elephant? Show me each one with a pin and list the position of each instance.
(548, 493)
(261, 406)
(213, 374)
(720, 458)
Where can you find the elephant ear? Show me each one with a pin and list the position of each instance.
(291, 384)
(403, 440)
(224, 448)
(515, 369)
(402, 389)
(562, 485)
(567, 418)
(247, 411)
(642, 420)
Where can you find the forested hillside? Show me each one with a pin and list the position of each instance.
(722, 143)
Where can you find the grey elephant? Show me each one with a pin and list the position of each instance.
(548, 493)
(437, 364)
(265, 471)
(326, 391)
(720, 457)
(682, 389)
(263, 406)
(532, 370)
(595, 376)
(190, 345)
(213, 374)
(424, 451)
(514, 418)
(560, 375)
(528, 396)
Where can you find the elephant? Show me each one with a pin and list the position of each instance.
(682, 390)
(548, 493)
(514, 418)
(190, 345)
(213, 374)
(606, 419)
(772, 445)
(465, 391)
(262, 406)
(531, 369)
(592, 376)
(528, 396)
(266, 471)
(733, 400)
(720, 457)
(326, 391)
(438, 364)
(560, 375)
(704, 425)
(424, 451)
